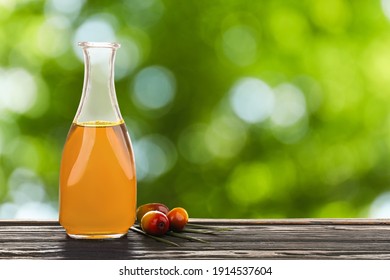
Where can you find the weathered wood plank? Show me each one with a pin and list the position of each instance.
(251, 239)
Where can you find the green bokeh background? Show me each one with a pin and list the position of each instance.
(236, 108)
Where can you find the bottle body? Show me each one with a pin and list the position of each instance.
(97, 175)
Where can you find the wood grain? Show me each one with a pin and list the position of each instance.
(249, 239)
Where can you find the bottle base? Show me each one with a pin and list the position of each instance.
(97, 235)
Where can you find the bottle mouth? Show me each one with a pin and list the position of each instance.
(99, 45)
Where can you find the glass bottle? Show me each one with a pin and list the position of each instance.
(97, 175)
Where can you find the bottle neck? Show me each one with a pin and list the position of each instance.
(98, 105)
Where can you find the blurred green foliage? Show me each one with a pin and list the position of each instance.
(236, 108)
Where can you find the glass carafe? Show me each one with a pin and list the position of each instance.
(97, 176)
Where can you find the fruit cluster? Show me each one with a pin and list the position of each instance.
(156, 218)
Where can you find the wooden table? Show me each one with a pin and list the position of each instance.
(248, 239)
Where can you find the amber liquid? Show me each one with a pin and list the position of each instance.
(97, 181)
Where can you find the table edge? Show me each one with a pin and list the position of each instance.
(293, 221)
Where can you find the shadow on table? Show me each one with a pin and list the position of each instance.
(113, 249)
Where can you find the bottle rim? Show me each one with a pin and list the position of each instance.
(99, 45)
